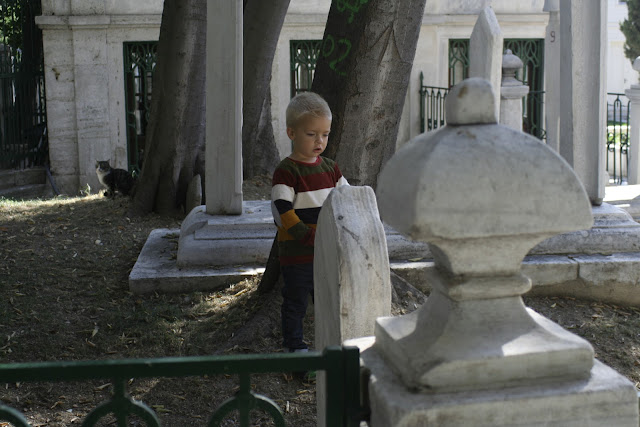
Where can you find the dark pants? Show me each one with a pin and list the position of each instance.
(298, 286)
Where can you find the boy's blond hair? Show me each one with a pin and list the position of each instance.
(306, 103)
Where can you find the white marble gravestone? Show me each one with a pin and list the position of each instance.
(482, 195)
(352, 282)
(485, 51)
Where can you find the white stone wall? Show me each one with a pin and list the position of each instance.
(84, 67)
(84, 70)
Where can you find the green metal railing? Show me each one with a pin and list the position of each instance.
(531, 52)
(432, 115)
(341, 365)
(139, 64)
(303, 58)
(617, 137)
(431, 106)
(532, 114)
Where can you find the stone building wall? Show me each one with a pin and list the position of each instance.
(83, 54)
(83, 45)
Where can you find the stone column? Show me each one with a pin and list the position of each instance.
(485, 51)
(473, 354)
(91, 93)
(583, 42)
(511, 92)
(224, 108)
(633, 94)
(59, 74)
(552, 74)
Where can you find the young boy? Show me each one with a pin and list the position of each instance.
(301, 183)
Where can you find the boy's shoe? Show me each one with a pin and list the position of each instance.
(304, 376)
(308, 376)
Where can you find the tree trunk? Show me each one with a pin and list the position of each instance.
(176, 128)
(262, 25)
(363, 73)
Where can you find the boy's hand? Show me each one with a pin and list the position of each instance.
(310, 237)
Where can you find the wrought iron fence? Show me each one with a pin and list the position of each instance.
(139, 64)
(617, 151)
(341, 365)
(432, 109)
(304, 56)
(617, 137)
(23, 140)
(431, 106)
(533, 114)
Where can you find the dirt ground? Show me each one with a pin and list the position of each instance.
(64, 266)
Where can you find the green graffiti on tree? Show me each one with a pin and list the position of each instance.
(352, 6)
(342, 47)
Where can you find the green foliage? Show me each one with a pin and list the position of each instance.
(11, 23)
(630, 27)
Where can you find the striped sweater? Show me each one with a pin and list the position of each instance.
(298, 192)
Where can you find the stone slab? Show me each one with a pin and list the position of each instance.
(247, 238)
(614, 279)
(607, 278)
(219, 240)
(606, 398)
(614, 230)
(215, 240)
(156, 269)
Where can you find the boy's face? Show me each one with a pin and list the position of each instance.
(309, 136)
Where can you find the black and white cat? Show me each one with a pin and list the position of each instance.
(114, 179)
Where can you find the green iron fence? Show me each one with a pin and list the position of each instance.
(458, 61)
(530, 51)
(23, 137)
(431, 106)
(432, 109)
(341, 365)
(617, 137)
(303, 57)
(139, 64)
